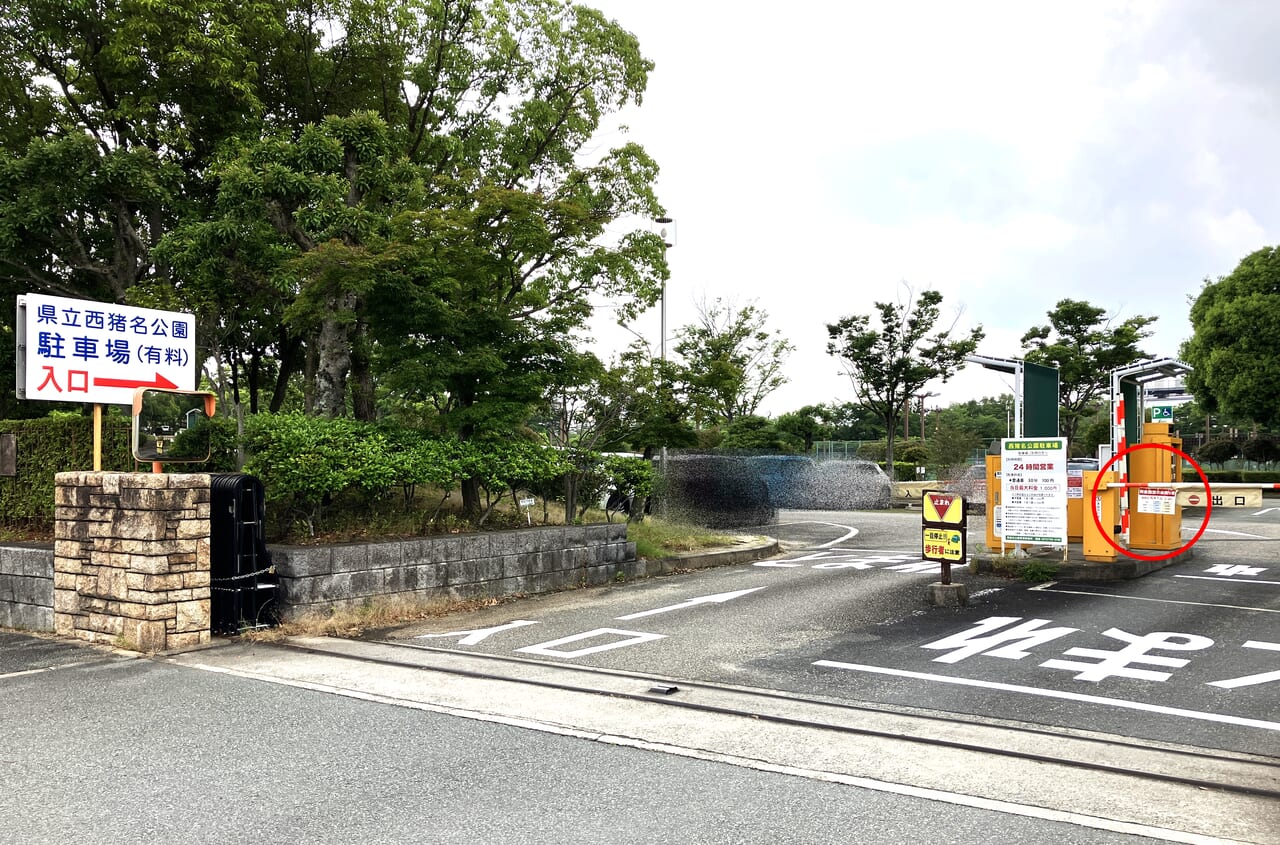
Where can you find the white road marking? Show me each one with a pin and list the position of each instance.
(1220, 718)
(1187, 530)
(850, 532)
(1229, 580)
(631, 638)
(1251, 680)
(1045, 587)
(479, 634)
(718, 598)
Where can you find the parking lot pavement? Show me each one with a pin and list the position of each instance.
(22, 652)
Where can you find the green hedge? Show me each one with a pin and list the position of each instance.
(307, 464)
(1236, 476)
(48, 446)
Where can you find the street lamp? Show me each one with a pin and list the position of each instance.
(666, 229)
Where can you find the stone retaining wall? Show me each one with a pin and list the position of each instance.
(131, 566)
(26, 588)
(460, 566)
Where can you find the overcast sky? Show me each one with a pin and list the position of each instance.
(817, 156)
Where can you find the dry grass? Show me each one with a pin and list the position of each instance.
(369, 615)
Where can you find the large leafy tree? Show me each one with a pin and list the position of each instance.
(1235, 346)
(731, 362)
(635, 407)
(1085, 345)
(805, 425)
(111, 111)
(269, 163)
(890, 364)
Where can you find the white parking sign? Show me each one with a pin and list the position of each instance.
(76, 350)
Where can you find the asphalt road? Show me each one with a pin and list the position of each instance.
(812, 697)
(95, 747)
(1189, 654)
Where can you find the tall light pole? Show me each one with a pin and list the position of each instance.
(667, 231)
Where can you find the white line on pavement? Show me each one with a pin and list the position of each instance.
(1221, 718)
(1045, 587)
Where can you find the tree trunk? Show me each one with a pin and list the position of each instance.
(570, 496)
(471, 497)
(888, 448)
(363, 406)
(334, 350)
(289, 348)
(255, 376)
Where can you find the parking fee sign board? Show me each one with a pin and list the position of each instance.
(76, 350)
(1034, 490)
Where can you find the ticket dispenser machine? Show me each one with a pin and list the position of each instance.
(1155, 518)
(994, 528)
(1100, 546)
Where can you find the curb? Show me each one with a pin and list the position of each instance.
(759, 548)
(1088, 571)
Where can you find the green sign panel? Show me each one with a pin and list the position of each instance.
(1039, 400)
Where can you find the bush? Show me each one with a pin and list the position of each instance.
(1217, 452)
(47, 446)
(1261, 450)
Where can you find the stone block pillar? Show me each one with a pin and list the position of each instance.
(131, 559)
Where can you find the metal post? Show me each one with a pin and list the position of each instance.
(666, 231)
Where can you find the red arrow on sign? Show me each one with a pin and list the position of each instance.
(160, 381)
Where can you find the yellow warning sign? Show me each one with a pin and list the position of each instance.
(943, 544)
(946, 508)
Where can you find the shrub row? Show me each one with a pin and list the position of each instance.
(305, 463)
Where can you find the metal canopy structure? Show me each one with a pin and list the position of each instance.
(1035, 387)
(1128, 395)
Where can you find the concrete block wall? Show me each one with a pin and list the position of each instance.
(26, 588)
(131, 559)
(457, 566)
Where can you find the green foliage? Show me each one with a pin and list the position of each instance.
(949, 447)
(892, 364)
(915, 453)
(1234, 350)
(731, 362)
(1036, 571)
(51, 445)
(1261, 450)
(851, 421)
(1217, 452)
(985, 419)
(1085, 346)
(278, 167)
(903, 471)
(806, 426)
(751, 433)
